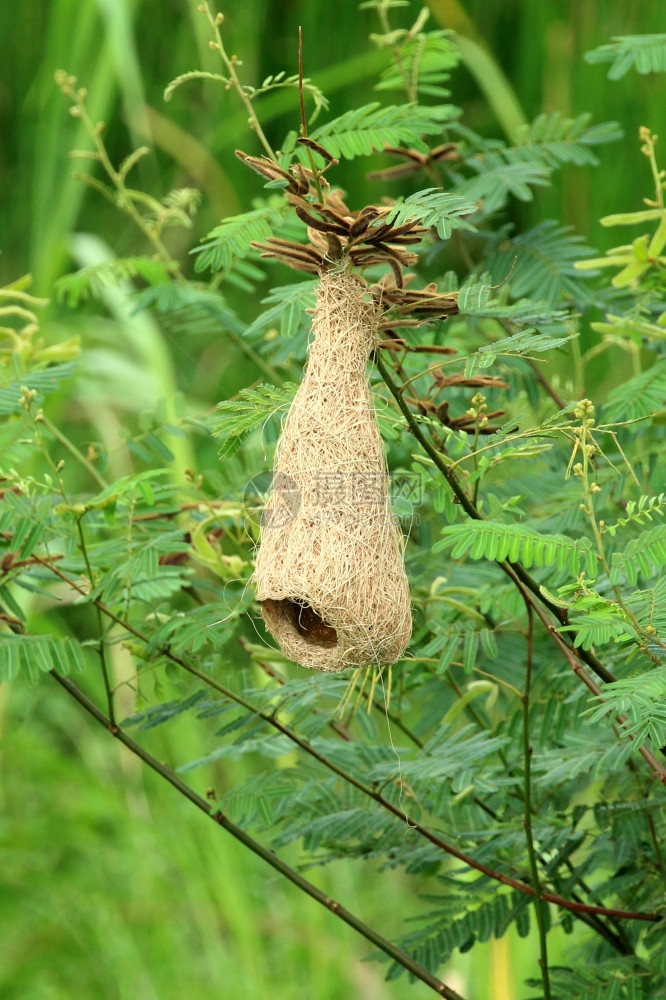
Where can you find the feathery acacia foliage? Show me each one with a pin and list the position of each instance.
(646, 52)
(432, 208)
(511, 762)
(232, 238)
(370, 128)
(424, 62)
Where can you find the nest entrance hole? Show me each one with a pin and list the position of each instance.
(304, 620)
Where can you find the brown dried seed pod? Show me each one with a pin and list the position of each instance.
(330, 573)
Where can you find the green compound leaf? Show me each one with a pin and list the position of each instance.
(647, 53)
(433, 208)
(90, 282)
(30, 656)
(230, 241)
(639, 397)
(560, 140)
(516, 542)
(237, 417)
(644, 555)
(42, 382)
(368, 129)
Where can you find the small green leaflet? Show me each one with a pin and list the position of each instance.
(368, 129)
(552, 331)
(517, 543)
(155, 715)
(638, 397)
(639, 511)
(646, 52)
(43, 382)
(645, 555)
(541, 263)
(237, 417)
(90, 282)
(434, 208)
(641, 701)
(425, 59)
(288, 305)
(139, 482)
(231, 240)
(525, 342)
(497, 179)
(563, 140)
(603, 623)
(33, 655)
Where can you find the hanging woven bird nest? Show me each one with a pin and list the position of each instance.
(330, 575)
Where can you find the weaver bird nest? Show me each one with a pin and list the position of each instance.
(330, 574)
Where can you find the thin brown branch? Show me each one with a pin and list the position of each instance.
(267, 855)
(399, 344)
(301, 101)
(338, 727)
(592, 686)
(527, 798)
(370, 792)
(548, 386)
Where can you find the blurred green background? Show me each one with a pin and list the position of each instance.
(110, 886)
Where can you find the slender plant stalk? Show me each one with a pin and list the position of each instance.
(101, 649)
(395, 953)
(37, 421)
(382, 11)
(230, 65)
(527, 799)
(73, 450)
(304, 121)
(125, 202)
(410, 82)
(560, 403)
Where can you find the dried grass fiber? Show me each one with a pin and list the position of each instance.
(330, 574)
